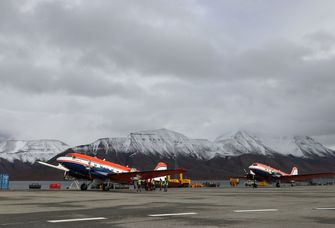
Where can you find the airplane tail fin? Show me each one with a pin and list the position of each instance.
(294, 171)
(161, 166)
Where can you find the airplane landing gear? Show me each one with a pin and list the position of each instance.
(83, 187)
(278, 185)
(254, 185)
(74, 185)
(105, 187)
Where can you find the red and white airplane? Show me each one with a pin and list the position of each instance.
(261, 172)
(101, 172)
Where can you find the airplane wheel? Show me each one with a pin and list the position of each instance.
(254, 185)
(83, 187)
(105, 187)
(278, 185)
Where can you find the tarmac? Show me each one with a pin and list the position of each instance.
(307, 206)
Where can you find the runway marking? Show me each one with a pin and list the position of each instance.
(256, 210)
(76, 220)
(325, 208)
(173, 214)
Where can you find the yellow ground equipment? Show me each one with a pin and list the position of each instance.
(262, 183)
(181, 182)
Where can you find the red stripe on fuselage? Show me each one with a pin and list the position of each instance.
(99, 161)
(272, 169)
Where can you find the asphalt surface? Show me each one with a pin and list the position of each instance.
(312, 206)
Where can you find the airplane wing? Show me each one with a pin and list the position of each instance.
(59, 166)
(304, 177)
(128, 177)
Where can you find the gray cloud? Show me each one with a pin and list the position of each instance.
(79, 70)
(325, 40)
(130, 37)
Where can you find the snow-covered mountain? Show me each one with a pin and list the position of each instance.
(203, 159)
(159, 142)
(245, 142)
(32, 150)
(169, 143)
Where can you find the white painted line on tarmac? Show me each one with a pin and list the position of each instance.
(325, 208)
(76, 220)
(173, 214)
(257, 210)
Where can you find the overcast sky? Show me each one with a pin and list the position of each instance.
(81, 70)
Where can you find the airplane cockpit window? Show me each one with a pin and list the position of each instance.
(255, 164)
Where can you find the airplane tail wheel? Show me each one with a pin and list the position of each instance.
(83, 187)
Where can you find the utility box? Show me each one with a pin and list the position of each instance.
(4, 181)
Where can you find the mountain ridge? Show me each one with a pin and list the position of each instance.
(166, 142)
(31, 150)
(203, 159)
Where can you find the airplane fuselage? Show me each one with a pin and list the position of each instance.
(260, 171)
(87, 167)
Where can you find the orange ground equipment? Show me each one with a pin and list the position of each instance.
(234, 182)
(197, 185)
